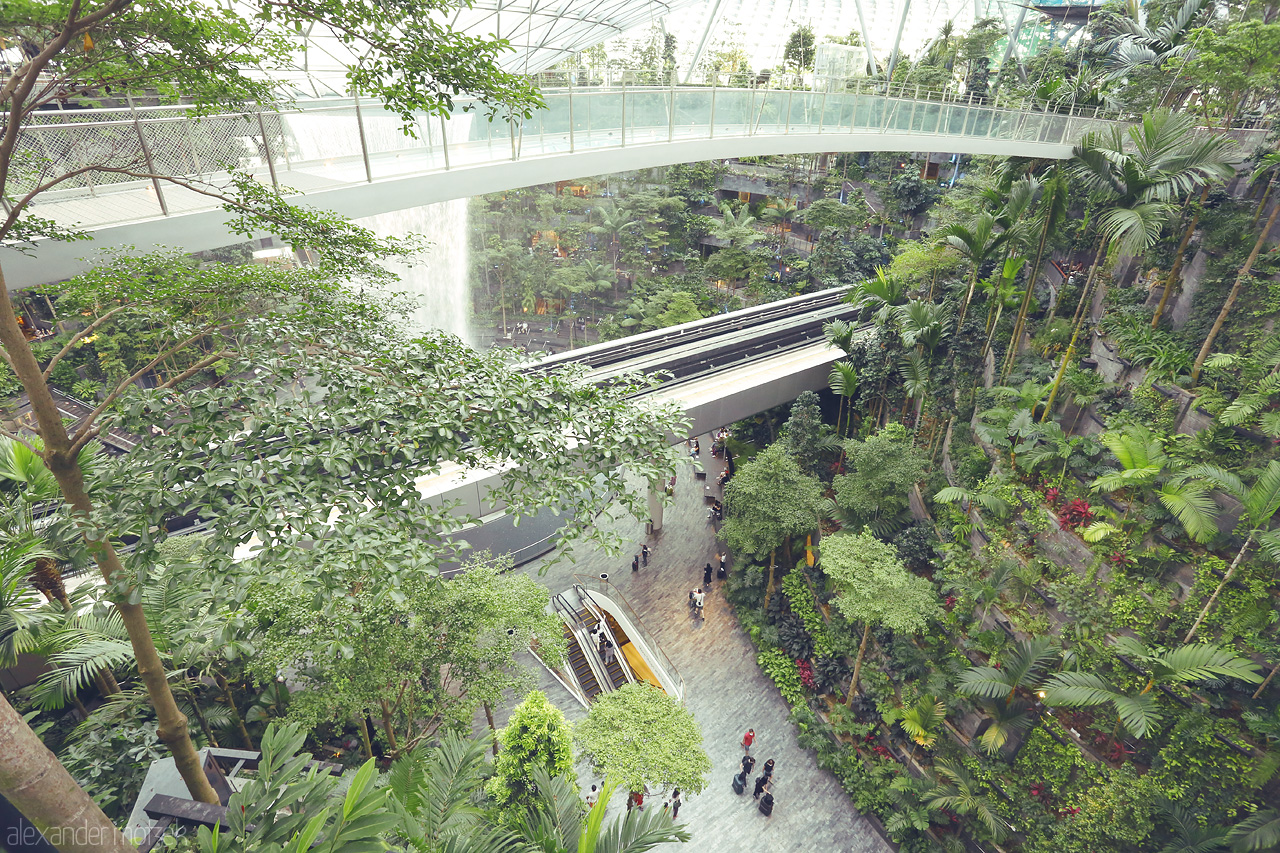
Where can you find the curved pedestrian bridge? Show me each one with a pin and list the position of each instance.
(356, 160)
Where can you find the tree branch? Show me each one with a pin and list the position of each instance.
(18, 438)
(78, 439)
(81, 335)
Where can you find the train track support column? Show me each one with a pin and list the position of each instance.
(655, 510)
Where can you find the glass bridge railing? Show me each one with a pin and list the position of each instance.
(325, 144)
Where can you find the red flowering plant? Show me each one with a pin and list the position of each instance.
(1053, 494)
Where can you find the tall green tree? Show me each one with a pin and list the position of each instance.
(638, 735)
(1136, 176)
(208, 55)
(881, 471)
(536, 736)
(428, 654)
(874, 587)
(769, 501)
(1269, 165)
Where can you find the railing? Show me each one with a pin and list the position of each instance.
(341, 142)
(599, 613)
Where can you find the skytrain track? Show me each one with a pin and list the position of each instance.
(712, 343)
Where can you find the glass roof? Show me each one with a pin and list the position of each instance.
(541, 33)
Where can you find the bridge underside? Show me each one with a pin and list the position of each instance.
(202, 228)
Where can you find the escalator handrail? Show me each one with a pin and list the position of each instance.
(598, 612)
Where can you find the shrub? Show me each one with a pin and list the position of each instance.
(1075, 514)
(782, 669)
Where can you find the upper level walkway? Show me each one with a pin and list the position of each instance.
(358, 161)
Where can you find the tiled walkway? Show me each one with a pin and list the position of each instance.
(725, 690)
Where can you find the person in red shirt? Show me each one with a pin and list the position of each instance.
(748, 739)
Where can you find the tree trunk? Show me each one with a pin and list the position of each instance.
(964, 306)
(204, 724)
(106, 681)
(388, 726)
(1231, 297)
(44, 792)
(768, 590)
(1263, 685)
(1016, 338)
(1226, 579)
(1262, 204)
(1177, 259)
(64, 466)
(363, 721)
(488, 715)
(1077, 324)
(234, 711)
(857, 665)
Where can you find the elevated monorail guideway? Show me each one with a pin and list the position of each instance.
(356, 160)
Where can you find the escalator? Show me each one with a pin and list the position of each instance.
(581, 669)
(617, 675)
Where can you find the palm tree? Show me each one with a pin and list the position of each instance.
(1260, 502)
(923, 719)
(22, 465)
(1137, 175)
(1269, 163)
(1146, 467)
(977, 243)
(1002, 292)
(779, 213)
(956, 791)
(1138, 44)
(998, 689)
(613, 222)
(23, 614)
(433, 793)
(915, 383)
(840, 333)
(1260, 377)
(923, 325)
(1189, 835)
(881, 293)
(1139, 712)
(738, 228)
(844, 383)
(1050, 212)
(993, 504)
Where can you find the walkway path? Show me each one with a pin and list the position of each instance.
(726, 691)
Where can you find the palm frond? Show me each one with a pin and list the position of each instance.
(1192, 504)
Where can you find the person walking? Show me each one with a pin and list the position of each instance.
(635, 563)
(762, 782)
(699, 599)
(723, 572)
(593, 797)
(644, 555)
(766, 803)
(748, 739)
(748, 764)
(706, 576)
(768, 769)
(676, 802)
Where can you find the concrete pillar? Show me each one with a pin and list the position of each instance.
(655, 510)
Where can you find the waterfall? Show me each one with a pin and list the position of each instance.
(440, 279)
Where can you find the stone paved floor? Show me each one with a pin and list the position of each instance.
(725, 690)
